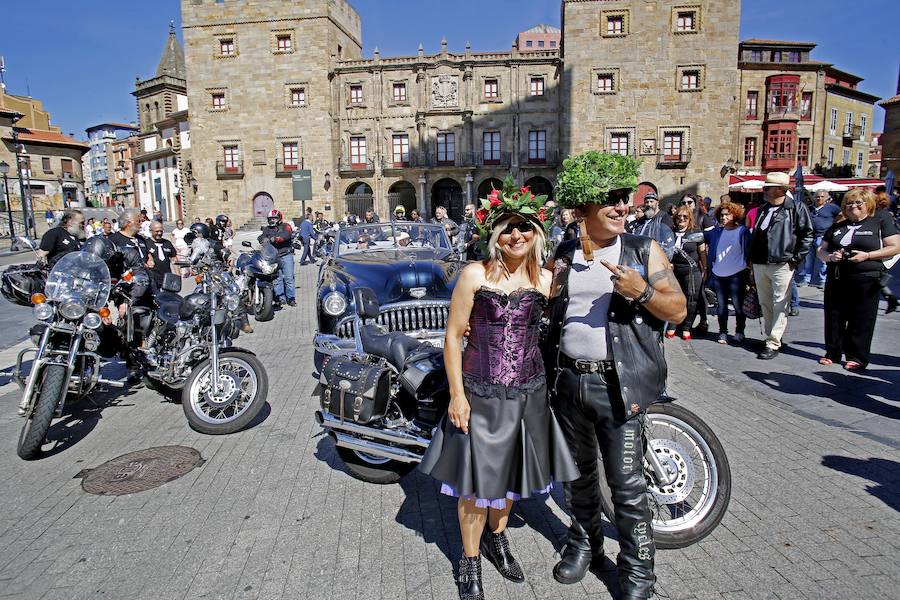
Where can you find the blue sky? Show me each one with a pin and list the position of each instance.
(81, 57)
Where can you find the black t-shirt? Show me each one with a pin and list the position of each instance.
(58, 242)
(121, 242)
(759, 242)
(162, 252)
(867, 237)
(689, 257)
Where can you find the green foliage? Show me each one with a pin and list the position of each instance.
(589, 177)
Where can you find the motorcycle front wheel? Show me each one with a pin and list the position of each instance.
(51, 388)
(243, 387)
(687, 508)
(263, 306)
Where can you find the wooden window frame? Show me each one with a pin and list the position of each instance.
(678, 17)
(537, 146)
(396, 97)
(490, 88)
(609, 16)
(750, 151)
(491, 146)
(615, 143)
(358, 151)
(290, 156)
(669, 138)
(536, 86)
(446, 148)
(231, 158)
(751, 105)
(353, 98)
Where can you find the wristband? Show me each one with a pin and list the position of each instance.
(645, 297)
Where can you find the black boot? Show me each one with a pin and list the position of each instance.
(891, 303)
(575, 562)
(469, 581)
(495, 547)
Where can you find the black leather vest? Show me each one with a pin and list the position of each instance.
(635, 335)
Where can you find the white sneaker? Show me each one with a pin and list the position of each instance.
(738, 338)
(723, 338)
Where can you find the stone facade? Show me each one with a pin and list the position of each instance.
(122, 167)
(656, 79)
(102, 162)
(890, 139)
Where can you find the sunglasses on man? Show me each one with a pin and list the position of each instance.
(616, 196)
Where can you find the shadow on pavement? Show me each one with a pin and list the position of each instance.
(885, 474)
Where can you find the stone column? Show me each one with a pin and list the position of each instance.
(469, 197)
(421, 203)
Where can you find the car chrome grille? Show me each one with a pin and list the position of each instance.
(412, 317)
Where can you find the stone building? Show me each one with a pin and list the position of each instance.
(161, 166)
(101, 160)
(122, 167)
(50, 159)
(797, 110)
(657, 80)
(890, 139)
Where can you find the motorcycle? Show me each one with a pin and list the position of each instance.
(260, 268)
(68, 336)
(188, 347)
(381, 403)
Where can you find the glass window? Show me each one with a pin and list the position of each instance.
(540, 43)
(399, 92)
(793, 57)
(537, 86)
(491, 88)
(605, 82)
(849, 128)
(806, 106)
(290, 154)
(803, 151)
(553, 43)
(752, 105)
(298, 97)
(832, 128)
(45, 165)
(356, 94)
(672, 146)
(218, 101)
(284, 43)
(690, 80)
(400, 147)
(529, 43)
(846, 157)
(830, 156)
(615, 25)
(750, 151)
(756, 56)
(226, 47)
(859, 163)
(863, 123)
(618, 143)
(776, 56)
(537, 146)
(685, 21)
(491, 147)
(358, 150)
(446, 148)
(232, 157)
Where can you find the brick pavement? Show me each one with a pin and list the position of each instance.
(272, 514)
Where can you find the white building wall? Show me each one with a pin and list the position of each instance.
(181, 102)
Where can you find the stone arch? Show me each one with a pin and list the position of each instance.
(641, 191)
(262, 204)
(485, 187)
(447, 192)
(401, 193)
(540, 186)
(359, 198)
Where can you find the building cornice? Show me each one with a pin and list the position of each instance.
(840, 90)
(155, 154)
(225, 23)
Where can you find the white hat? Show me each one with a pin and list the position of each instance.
(777, 179)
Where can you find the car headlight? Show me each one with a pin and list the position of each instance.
(43, 312)
(92, 320)
(267, 268)
(232, 302)
(72, 310)
(334, 304)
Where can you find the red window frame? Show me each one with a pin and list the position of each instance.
(290, 156)
(284, 43)
(218, 101)
(806, 106)
(782, 92)
(356, 94)
(490, 145)
(400, 149)
(491, 88)
(672, 144)
(606, 82)
(685, 20)
(619, 144)
(537, 146)
(298, 96)
(750, 151)
(690, 80)
(358, 151)
(537, 86)
(226, 47)
(615, 25)
(231, 157)
(780, 144)
(446, 148)
(752, 105)
(803, 151)
(399, 92)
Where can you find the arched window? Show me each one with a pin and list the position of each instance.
(156, 110)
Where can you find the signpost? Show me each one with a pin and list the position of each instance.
(301, 182)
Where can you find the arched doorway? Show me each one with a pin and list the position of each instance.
(359, 199)
(642, 189)
(485, 187)
(262, 204)
(402, 193)
(540, 186)
(448, 193)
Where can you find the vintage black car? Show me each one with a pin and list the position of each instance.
(411, 266)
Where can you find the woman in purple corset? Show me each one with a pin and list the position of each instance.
(500, 442)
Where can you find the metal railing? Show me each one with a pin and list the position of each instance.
(550, 158)
(502, 159)
(853, 132)
(229, 170)
(283, 170)
(346, 165)
(666, 159)
(777, 111)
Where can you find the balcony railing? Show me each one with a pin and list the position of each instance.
(286, 170)
(853, 132)
(501, 159)
(550, 158)
(346, 165)
(673, 160)
(230, 169)
(789, 112)
(414, 160)
(778, 160)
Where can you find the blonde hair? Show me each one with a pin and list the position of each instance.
(866, 196)
(495, 267)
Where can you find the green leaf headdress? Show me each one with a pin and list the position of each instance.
(591, 176)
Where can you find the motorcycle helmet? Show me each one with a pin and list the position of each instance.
(221, 221)
(100, 247)
(274, 217)
(200, 230)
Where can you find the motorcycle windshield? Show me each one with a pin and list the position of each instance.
(79, 277)
(268, 253)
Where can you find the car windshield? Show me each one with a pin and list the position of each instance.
(391, 236)
(79, 277)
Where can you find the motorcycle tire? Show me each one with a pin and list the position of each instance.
(52, 387)
(264, 309)
(704, 514)
(372, 469)
(191, 396)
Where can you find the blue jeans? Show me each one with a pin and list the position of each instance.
(307, 253)
(812, 271)
(284, 285)
(731, 288)
(795, 295)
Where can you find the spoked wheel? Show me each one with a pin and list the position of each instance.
(693, 498)
(51, 388)
(241, 394)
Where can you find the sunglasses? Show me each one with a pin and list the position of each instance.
(855, 204)
(683, 202)
(522, 226)
(681, 218)
(613, 198)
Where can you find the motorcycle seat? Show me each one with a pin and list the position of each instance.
(395, 347)
(169, 306)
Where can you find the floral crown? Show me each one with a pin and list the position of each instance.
(511, 201)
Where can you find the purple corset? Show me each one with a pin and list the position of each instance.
(502, 347)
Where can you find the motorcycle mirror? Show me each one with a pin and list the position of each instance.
(189, 237)
(246, 244)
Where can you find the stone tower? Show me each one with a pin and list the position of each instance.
(261, 100)
(157, 96)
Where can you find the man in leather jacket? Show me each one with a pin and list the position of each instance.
(279, 234)
(611, 294)
(782, 235)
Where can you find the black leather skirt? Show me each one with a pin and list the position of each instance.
(514, 449)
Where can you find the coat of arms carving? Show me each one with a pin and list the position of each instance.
(444, 91)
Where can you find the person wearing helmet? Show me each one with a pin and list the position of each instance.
(400, 213)
(219, 234)
(278, 233)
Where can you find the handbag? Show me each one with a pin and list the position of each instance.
(354, 390)
(752, 309)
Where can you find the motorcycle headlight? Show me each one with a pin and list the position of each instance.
(334, 304)
(267, 268)
(91, 341)
(71, 310)
(43, 312)
(92, 320)
(232, 302)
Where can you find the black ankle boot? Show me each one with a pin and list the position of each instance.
(495, 547)
(574, 563)
(469, 581)
(891, 303)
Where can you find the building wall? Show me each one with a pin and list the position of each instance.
(646, 61)
(856, 145)
(890, 139)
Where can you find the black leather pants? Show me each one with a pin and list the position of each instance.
(589, 419)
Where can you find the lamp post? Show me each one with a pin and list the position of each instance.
(4, 170)
(20, 150)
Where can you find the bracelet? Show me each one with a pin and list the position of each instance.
(645, 297)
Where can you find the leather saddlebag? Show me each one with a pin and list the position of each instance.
(365, 390)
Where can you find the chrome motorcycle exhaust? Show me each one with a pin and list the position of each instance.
(388, 435)
(374, 448)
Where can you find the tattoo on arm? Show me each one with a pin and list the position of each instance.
(667, 275)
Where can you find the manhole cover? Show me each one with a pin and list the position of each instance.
(140, 471)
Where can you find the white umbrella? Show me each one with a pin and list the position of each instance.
(827, 186)
(752, 185)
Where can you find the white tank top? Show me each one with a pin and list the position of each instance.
(584, 332)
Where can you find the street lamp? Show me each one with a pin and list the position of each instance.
(4, 170)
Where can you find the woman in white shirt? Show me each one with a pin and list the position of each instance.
(181, 246)
(729, 256)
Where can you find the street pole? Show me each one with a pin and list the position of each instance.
(12, 228)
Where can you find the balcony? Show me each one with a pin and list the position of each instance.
(778, 161)
(414, 160)
(230, 170)
(286, 170)
(669, 160)
(852, 133)
(68, 175)
(347, 167)
(497, 159)
(550, 159)
(778, 112)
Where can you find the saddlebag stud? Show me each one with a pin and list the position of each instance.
(354, 389)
